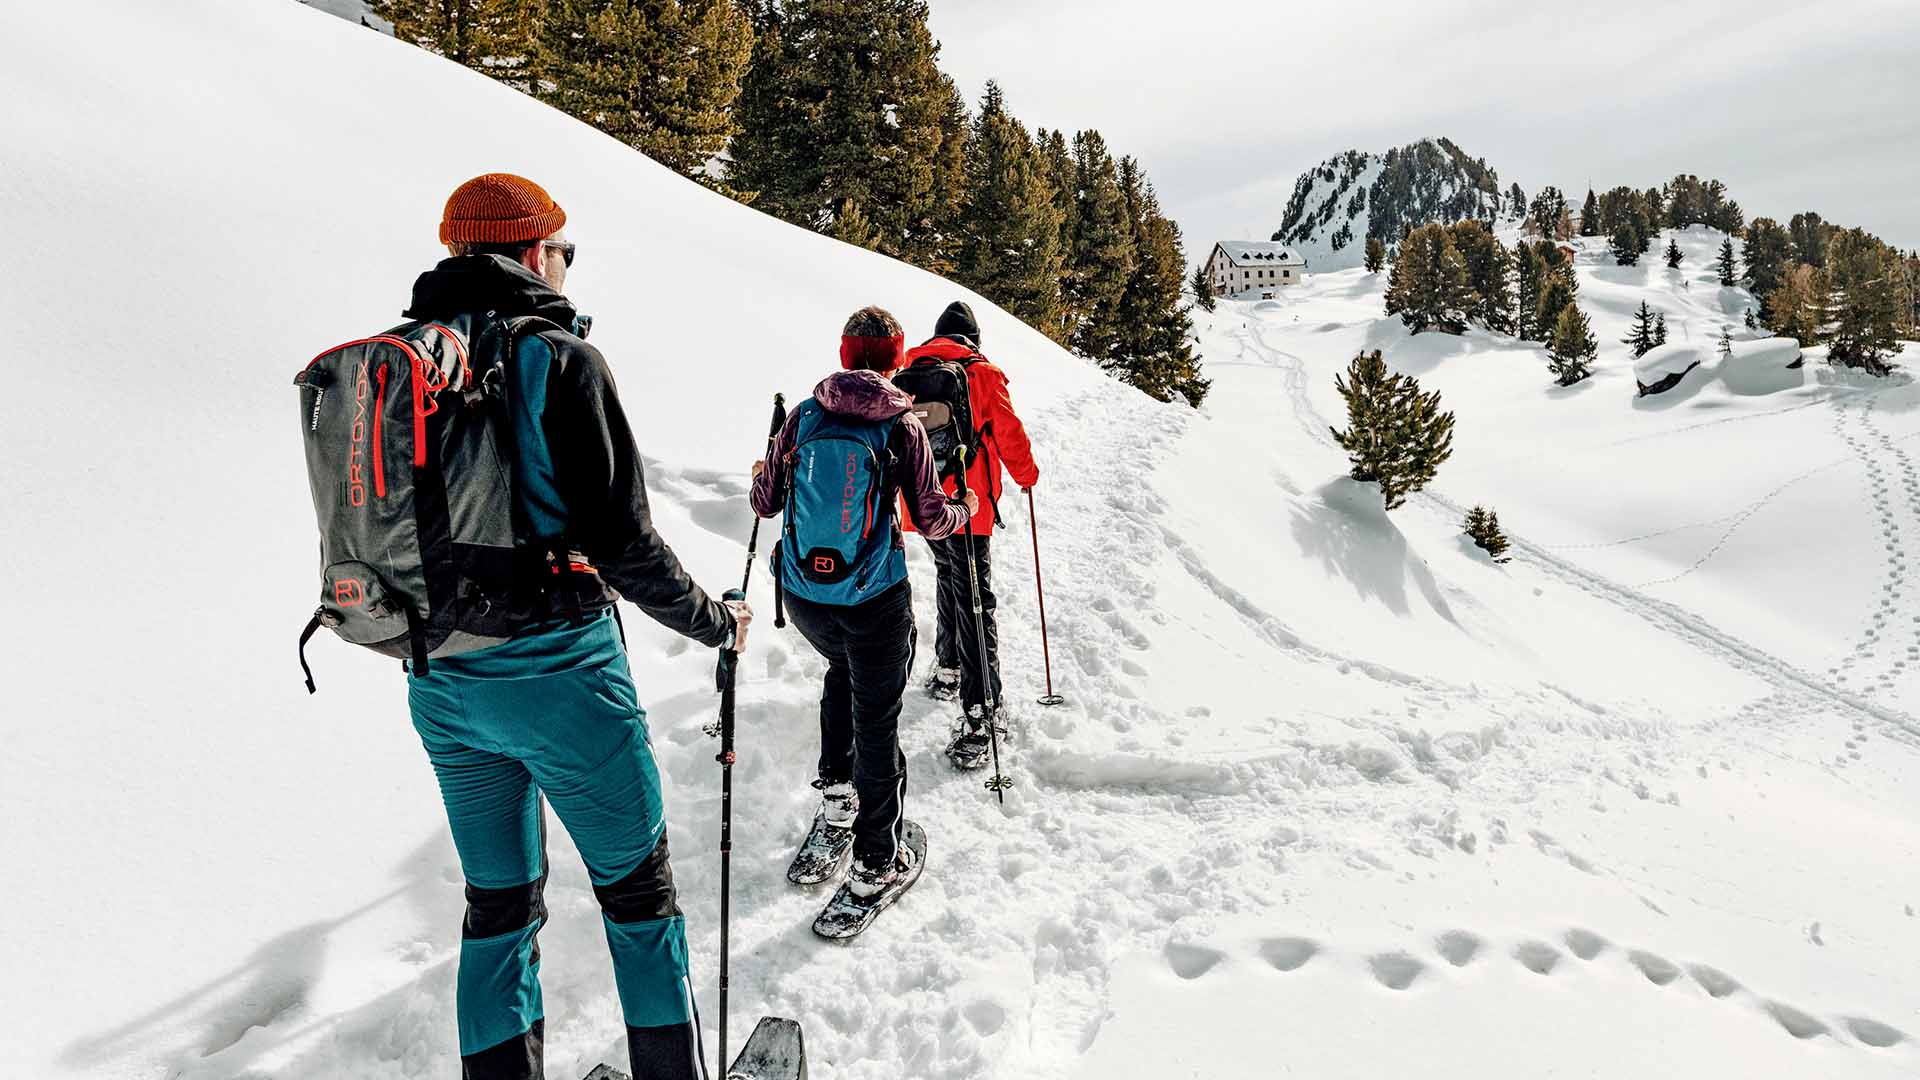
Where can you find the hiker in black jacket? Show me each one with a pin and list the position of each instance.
(553, 711)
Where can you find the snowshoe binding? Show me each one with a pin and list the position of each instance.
(824, 853)
(972, 745)
(870, 890)
(943, 683)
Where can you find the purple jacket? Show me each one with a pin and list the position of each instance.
(869, 396)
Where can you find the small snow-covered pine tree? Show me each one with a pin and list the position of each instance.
(1726, 341)
(1673, 254)
(1659, 329)
(1729, 271)
(1641, 338)
(1376, 254)
(1483, 525)
(1572, 349)
(1203, 288)
(1396, 436)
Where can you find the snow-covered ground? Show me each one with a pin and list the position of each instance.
(1333, 794)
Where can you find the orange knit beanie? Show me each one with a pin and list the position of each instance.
(500, 208)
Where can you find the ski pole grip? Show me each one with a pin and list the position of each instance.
(960, 481)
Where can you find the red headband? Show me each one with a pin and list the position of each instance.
(881, 354)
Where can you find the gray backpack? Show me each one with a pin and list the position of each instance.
(409, 457)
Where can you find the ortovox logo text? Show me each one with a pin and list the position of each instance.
(823, 564)
(349, 592)
(357, 442)
(848, 493)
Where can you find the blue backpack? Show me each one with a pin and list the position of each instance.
(838, 540)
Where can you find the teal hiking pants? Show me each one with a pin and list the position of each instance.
(553, 712)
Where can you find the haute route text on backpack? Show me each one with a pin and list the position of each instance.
(838, 534)
(409, 458)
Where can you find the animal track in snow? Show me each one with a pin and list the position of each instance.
(1585, 943)
(1537, 957)
(1658, 969)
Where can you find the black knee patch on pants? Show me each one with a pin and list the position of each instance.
(646, 893)
(492, 912)
(519, 1058)
(663, 1053)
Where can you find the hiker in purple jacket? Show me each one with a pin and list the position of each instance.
(858, 615)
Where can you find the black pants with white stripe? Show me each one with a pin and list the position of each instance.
(957, 644)
(869, 652)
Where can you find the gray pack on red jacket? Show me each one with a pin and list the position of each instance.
(408, 453)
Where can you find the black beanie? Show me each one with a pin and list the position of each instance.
(958, 323)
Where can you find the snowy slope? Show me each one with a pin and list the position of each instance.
(1331, 791)
(1343, 200)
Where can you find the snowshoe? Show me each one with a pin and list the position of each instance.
(824, 853)
(972, 745)
(943, 683)
(775, 1051)
(606, 1072)
(849, 912)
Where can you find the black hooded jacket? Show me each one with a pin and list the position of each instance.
(596, 466)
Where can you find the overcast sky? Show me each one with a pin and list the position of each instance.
(1807, 105)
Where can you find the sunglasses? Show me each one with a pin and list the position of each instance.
(565, 249)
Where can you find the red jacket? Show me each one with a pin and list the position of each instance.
(1005, 443)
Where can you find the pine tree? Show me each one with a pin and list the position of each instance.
(1056, 164)
(1516, 202)
(1154, 351)
(1429, 286)
(1376, 255)
(1529, 274)
(1483, 525)
(845, 102)
(1009, 228)
(1547, 217)
(1590, 215)
(936, 239)
(1572, 350)
(1673, 254)
(661, 76)
(1625, 245)
(1728, 271)
(1396, 436)
(493, 37)
(1793, 308)
(1641, 338)
(1726, 341)
(1865, 305)
(1659, 329)
(1558, 288)
(1769, 254)
(1751, 322)
(1202, 285)
(1103, 257)
(1810, 233)
(1487, 264)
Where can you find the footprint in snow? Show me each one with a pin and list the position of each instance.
(1459, 947)
(1537, 957)
(1193, 961)
(1396, 970)
(1288, 954)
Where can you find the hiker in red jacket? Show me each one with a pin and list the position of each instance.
(1000, 441)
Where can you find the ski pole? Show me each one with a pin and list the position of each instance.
(725, 680)
(729, 662)
(1040, 590)
(773, 433)
(999, 782)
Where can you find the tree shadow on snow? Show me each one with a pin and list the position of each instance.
(1345, 526)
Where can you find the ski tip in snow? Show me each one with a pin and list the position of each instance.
(847, 915)
(775, 1051)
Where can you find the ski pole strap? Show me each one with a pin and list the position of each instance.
(306, 635)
